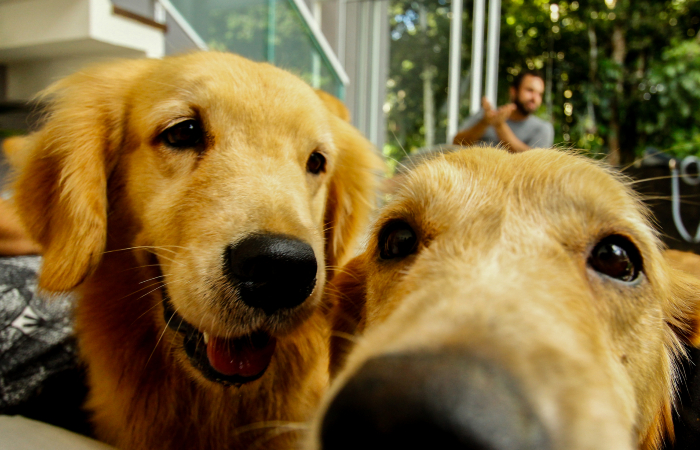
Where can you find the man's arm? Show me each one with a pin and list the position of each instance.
(513, 144)
(476, 125)
(470, 135)
(504, 132)
(544, 137)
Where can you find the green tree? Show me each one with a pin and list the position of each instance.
(263, 31)
(621, 75)
(418, 63)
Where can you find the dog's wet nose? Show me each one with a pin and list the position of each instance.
(272, 271)
(431, 400)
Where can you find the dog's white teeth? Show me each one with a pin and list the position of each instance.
(206, 337)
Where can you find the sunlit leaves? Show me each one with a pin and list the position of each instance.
(660, 53)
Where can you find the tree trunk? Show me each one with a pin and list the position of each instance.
(428, 95)
(550, 78)
(590, 123)
(631, 138)
(428, 105)
(619, 51)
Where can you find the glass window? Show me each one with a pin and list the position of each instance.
(263, 30)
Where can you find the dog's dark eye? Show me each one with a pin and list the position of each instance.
(616, 257)
(397, 240)
(186, 134)
(316, 163)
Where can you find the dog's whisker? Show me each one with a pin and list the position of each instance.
(396, 138)
(635, 162)
(151, 279)
(343, 270)
(155, 347)
(270, 424)
(272, 434)
(160, 286)
(633, 182)
(403, 166)
(165, 328)
(138, 267)
(175, 336)
(686, 200)
(154, 306)
(170, 259)
(157, 283)
(647, 156)
(340, 294)
(347, 336)
(146, 247)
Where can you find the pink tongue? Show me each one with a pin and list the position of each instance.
(240, 356)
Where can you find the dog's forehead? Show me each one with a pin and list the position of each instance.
(543, 189)
(226, 87)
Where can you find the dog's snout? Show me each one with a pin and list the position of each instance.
(272, 272)
(445, 400)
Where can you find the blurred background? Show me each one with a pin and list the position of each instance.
(622, 76)
(340, 46)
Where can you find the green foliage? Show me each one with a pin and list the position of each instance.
(626, 68)
(415, 51)
(262, 30)
(673, 92)
(5, 133)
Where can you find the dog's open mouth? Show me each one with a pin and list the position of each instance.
(227, 361)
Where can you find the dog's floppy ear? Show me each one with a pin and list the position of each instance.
(352, 192)
(685, 296)
(61, 193)
(16, 151)
(334, 105)
(353, 185)
(682, 313)
(347, 296)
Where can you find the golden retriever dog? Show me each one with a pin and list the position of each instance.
(508, 301)
(197, 205)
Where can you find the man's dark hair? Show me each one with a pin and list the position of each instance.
(517, 81)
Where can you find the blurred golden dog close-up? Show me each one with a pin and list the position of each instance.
(197, 205)
(508, 301)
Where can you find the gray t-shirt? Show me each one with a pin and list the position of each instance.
(533, 131)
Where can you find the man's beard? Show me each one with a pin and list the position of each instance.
(521, 107)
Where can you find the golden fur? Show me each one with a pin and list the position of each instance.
(120, 216)
(14, 149)
(502, 272)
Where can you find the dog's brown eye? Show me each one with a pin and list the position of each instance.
(397, 240)
(186, 134)
(316, 163)
(616, 257)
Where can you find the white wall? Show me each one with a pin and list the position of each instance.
(43, 40)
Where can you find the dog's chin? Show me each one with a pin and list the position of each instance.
(228, 361)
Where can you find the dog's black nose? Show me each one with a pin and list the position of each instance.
(449, 401)
(272, 271)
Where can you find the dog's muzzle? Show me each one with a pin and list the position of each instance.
(227, 361)
(445, 400)
(271, 271)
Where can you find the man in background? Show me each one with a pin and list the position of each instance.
(512, 125)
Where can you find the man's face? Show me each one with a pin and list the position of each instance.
(529, 95)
